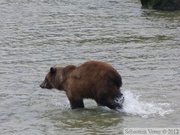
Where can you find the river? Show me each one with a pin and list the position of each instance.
(142, 44)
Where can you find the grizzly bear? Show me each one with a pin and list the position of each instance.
(93, 79)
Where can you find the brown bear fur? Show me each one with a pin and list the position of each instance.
(93, 79)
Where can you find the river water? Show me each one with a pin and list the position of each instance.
(142, 44)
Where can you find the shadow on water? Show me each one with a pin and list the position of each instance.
(163, 19)
(153, 14)
(86, 120)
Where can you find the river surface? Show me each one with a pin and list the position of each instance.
(142, 44)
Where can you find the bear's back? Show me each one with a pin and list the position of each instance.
(94, 71)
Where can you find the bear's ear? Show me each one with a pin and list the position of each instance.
(52, 70)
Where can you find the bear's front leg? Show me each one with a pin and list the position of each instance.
(75, 104)
(75, 100)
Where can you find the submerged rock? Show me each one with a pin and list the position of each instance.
(161, 4)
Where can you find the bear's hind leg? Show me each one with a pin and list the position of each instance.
(113, 101)
(113, 105)
(110, 104)
(77, 104)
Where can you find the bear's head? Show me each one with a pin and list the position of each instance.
(53, 79)
(56, 77)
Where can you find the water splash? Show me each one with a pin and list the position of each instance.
(133, 106)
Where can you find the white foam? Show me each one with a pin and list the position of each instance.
(133, 106)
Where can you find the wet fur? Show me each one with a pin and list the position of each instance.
(93, 79)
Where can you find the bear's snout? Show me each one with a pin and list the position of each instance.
(45, 85)
(41, 86)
